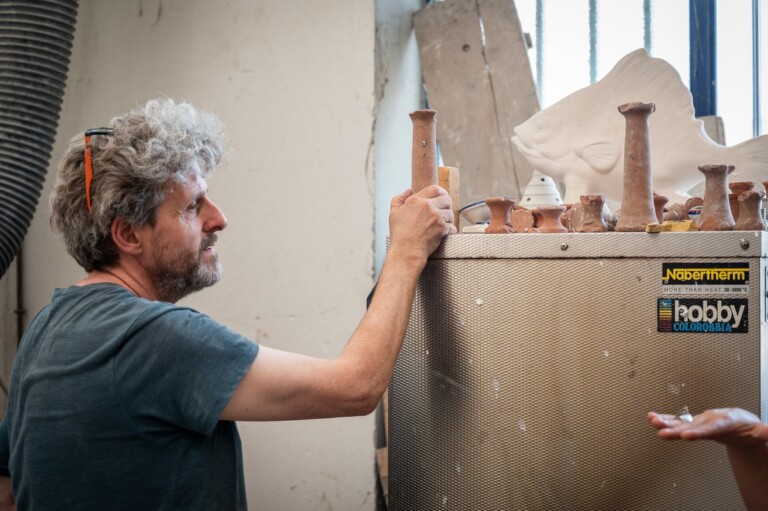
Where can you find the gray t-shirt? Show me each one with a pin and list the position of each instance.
(114, 404)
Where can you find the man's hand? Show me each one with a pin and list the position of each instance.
(417, 223)
(729, 426)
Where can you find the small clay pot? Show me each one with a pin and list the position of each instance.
(573, 218)
(500, 208)
(737, 188)
(592, 214)
(675, 213)
(522, 220)
(565, 218)
(750, 218)
(550, 219)
(716, 211)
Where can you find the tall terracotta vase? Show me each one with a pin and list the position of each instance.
(716, 211)
(424, 150)
(637, 209)
(500, 208)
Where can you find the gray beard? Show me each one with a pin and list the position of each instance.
(172, 286)
(180, 275)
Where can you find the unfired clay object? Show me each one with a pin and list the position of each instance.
(637, 209)
(551, 219)
(592, 216)
(749, 216)
(579, 141)
(500, 208)
(716, 211)
(737, 188)
(677, 212)
(424, 150)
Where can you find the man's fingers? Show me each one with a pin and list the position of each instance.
(399, 200)
(432, 191)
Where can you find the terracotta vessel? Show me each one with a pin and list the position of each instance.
(573, 217)
(551, 219)
(592, 214)
(659, 201)
(750, 218)
(737, 188)
(637, 208)
(424, 150)
(500, 208)
(522, 220)
(716, 211)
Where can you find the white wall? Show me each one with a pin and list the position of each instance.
(294, 83)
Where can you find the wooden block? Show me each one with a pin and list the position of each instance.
(682, 226)
(448, 178)
(382, 454)
(475, 135)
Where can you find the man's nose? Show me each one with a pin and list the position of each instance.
(215, 221)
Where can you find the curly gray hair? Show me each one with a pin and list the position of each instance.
(150, 146)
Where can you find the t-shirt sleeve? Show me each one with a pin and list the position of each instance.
(5, 448)
(180, 368)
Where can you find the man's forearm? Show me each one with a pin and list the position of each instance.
(379, 337)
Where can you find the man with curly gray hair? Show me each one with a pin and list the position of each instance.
(120, 399)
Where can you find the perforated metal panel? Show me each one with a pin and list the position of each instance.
(531, 361)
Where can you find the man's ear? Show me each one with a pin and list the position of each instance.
(125, 237)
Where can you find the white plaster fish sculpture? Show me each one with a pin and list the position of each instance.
(579, 140)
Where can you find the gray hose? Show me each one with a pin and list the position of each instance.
(35, 47)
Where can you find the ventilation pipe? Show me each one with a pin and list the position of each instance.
(35, 47)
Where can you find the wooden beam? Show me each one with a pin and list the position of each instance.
(478, 77)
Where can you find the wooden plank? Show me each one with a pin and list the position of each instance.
(382, 453)
(448, 178)
(480, 89)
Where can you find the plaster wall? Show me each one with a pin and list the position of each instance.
(294, 81)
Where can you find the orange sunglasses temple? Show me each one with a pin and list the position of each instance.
(88, 163)
(88, 172)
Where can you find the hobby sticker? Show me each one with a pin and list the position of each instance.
(702, 315)
(704, 278)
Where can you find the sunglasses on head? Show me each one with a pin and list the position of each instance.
(88, 165)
